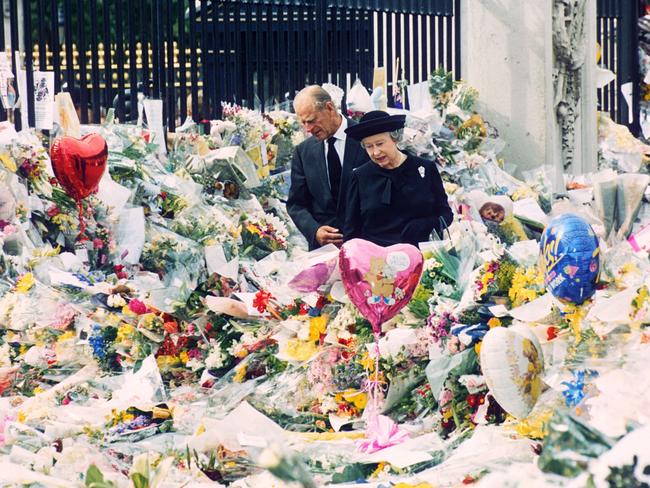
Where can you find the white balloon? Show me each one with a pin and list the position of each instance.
(512, 363)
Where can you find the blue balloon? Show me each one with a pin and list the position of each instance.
(570, 258)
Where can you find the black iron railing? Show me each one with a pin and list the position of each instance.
(194, 55)
(618, 38)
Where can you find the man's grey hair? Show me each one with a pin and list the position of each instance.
(317, 94)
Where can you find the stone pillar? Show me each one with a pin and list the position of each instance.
(510, 51)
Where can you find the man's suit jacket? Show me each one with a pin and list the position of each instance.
(310, 203)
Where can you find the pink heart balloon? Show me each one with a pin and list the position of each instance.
(380, 281)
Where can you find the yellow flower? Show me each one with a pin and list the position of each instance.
(475, 121)
(240, 374)
(65, 336)
(534, 426)
(184, 357)
(574, 315)
(253, 229)
(477, 348)
(38, 389)
(526, 284)
(357, 398)
(127, 311)
(21, 417)
(298, 350)
(65, 222)
(8, 163)
(166, 362)
(382, 467)
(25, 283)
(367, 362)
(124, 333)
(317, 326)
(241, 353)
(494, 322)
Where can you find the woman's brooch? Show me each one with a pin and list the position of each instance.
(421, 170)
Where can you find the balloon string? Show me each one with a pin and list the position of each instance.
(373, 383)
(82, 226)
(375, 396)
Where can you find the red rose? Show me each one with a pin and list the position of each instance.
(551, 333)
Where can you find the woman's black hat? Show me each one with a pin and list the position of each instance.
(375, 122)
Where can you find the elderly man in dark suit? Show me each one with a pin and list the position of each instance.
(321, 168)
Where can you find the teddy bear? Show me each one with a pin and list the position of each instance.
(381, 286)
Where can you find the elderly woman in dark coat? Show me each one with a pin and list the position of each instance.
(394, 197)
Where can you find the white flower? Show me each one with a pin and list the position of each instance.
(216, 358)
(303, 331)
(246, 338)
(115, 301)
(7, 304)
(38, 357)
(328, 405)
(474, 160)
(194, 364)
(473, 382)
(4, 355)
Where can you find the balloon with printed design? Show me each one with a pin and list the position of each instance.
(380, 281)
(513, 364)
(570, 258)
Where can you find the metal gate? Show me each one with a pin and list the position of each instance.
(196, 54)
(618, 38)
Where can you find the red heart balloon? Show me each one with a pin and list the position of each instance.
(79, 164)
(380, 281)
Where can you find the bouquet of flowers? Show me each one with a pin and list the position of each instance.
(494, 280)
(173, 257)
(201, 226)
(527, 284)
(262, 234)
(288, 135)
(252, 128)
(27, 157)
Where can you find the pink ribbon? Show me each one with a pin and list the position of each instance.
(381, 433)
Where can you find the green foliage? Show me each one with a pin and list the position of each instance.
(503, 276)
(95, 479)
(354, 472)
(441, 82)
(139, 480)
(570, 445)
(419, 308)
(624, 476)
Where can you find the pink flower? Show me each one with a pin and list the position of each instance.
(98, 243)
(194, 353)
(63, 316)
(445, 397)
(137, 307)
(9, 229)
(119, 272)
(3, 423)
(53, 210)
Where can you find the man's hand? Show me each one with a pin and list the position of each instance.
(328, 235)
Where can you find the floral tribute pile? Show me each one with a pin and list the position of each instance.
(187, 338)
